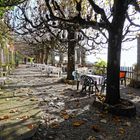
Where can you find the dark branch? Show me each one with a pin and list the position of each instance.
(100, 11)
(10, 3)
(76, 20)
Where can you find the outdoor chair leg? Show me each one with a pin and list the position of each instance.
(78, 84)
(89, 90)
(96, 88)
(102, 89)
(92, 89)
(125, 82)
(83, 88)
(121, 82)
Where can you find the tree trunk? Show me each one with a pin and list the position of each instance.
(0, 56)
(114, 52)
(52, 58)
(78, 53)
(71, 54)
(61, 58)
(42, 56)
(37, 58)
(113, 68)
(47, 51)
(83, 57)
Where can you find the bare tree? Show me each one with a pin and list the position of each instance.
(34, 22)
(109, 18)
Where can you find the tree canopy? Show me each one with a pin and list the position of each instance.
(6, 3)
(112, 19)
(109, 18)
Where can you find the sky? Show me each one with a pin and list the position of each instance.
(128, 57)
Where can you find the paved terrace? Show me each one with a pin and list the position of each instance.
(34, 104)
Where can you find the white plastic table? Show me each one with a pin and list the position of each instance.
(97, 78)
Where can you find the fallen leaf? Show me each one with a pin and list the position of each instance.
(21, 97)
(101, 98)
(78, 104)
(24, 117)
(103, 121)
(1, 118)
(98, 94)
(91, 138)
(121, 130)
(128, 124)
(4, 117)
(66, 116)
(101, 137)
(78, 123)
(72, 115)
(116, 119)
(95, 128)
(13, 110)
(55, 125)
(1, 93)
(30, 126)
(33, 99)
(102, 115)
(77, 100)
(63, 112)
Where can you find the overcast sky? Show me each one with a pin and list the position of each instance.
(128, 57)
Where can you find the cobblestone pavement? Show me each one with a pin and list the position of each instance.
(69, 116)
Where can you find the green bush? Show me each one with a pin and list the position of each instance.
(100, 67)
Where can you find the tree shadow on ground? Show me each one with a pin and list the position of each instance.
(132, 94)
(36, 75)
(19, 128)
(82, 119)
(28, 86)
(89, 123)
